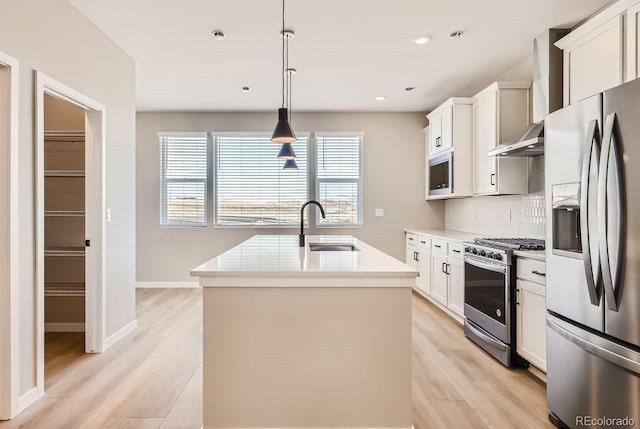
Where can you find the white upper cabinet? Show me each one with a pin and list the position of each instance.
(500, 112)
(450, 133)
(601, 53)
(633, 42)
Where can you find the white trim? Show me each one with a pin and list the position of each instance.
(633, 27)
(95, 258)
(9, 283)
(166, 285)
(616, 9)
(64, 327)
(26, 400)
(120, 334)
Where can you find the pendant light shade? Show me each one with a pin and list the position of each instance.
(283, 132)
(290, 164)
(286, 151)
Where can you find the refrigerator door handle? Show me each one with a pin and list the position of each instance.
(597, 346)
(611, 273)
(592, 146)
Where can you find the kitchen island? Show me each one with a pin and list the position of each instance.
(295, 337)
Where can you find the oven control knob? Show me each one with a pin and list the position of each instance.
(467, 249)
(474, 250)
(497, 256)
(490, 255)
(482, 253)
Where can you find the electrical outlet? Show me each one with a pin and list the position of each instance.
(108, 216)
(379, 212)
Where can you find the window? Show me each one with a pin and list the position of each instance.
(183, 179)
(339, 178)
(251, 188)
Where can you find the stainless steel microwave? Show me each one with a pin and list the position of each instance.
(441, 174)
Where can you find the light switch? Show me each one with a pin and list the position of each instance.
(379, 212)
(108, 216)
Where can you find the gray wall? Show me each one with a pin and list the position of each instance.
(53, 37)
(393, 178)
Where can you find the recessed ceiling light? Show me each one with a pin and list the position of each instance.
(381, 98)
(218, 35)
(422, 39)
(455, 34)
(504, 154)
(410, 88)
(246, 89)
(531, 146)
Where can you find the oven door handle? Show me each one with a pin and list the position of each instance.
(487, 339)
(485, 266)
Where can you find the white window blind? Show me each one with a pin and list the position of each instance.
(339, 178)
(183, 179)
(251, 188)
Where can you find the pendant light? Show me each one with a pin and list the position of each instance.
(283, 132)
(290, 164)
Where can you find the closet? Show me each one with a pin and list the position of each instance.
(64, 216)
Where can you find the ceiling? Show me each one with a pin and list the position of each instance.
(346, 52)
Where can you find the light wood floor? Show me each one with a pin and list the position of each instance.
(152, 378)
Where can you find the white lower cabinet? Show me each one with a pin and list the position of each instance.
(456, 286)
(531, 314)
(441, 266)
(424, 267)
(440, 282)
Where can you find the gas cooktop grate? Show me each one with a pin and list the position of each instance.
(512, 243)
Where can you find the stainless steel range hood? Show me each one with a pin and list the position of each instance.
(546, 92)
(530, 144)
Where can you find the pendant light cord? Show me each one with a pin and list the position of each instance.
(283, 56)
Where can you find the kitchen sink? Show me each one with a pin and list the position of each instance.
(332, 247)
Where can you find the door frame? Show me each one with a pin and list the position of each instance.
(9, 282)
(95, 257)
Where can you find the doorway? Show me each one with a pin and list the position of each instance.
(69, 225)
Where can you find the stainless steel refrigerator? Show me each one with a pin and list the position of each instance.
(592, 184)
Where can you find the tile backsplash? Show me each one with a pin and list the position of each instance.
(504, 216)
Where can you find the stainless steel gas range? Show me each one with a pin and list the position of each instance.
(489, 295)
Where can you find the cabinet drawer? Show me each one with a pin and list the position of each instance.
(531, 269)
(439, 246)
(412, 239)
(456, 250)
(424, 242)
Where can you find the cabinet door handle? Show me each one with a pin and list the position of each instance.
(454, 250)
(492, 179)
(410, 238)
(417, 256)
(437, 245)
(517, 292)
(444, 267)
(423, 242)
(448, 269)
(539, 273)
(438, 141)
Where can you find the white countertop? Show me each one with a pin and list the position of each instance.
(280, 256)
(444, 233)
(532, 254)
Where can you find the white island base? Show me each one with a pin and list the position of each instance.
(306, 347)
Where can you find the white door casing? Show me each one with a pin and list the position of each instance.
(9, 357)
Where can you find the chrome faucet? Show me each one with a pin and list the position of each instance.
(301, 236)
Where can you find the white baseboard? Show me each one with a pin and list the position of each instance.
(64, 327)
(120, 334)
(27, 399)
(166, 285)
